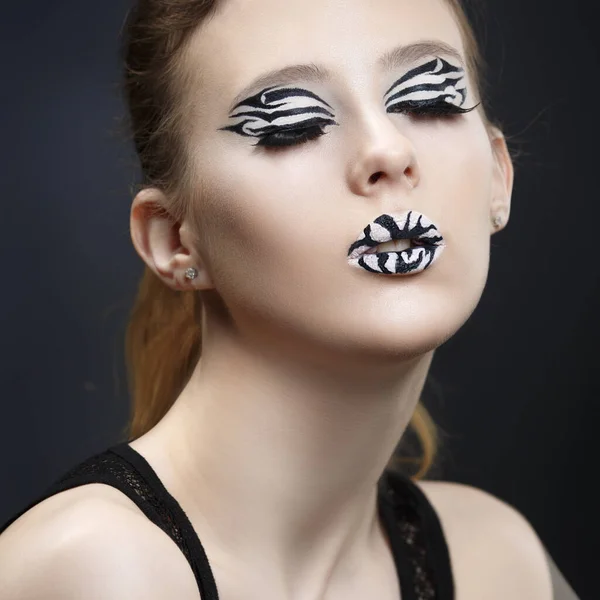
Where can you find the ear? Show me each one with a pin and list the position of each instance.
(157, 238)
(503, 178)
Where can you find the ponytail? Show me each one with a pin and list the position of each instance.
(162, 346)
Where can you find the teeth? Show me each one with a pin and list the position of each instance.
(394, 245)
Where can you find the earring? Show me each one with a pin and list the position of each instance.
(497, 221)
(191, 273)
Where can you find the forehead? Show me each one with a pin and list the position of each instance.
(246, 38)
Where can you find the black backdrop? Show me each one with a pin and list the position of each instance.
(515, 390)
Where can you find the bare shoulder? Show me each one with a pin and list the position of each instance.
(493, 548)
(92, 542)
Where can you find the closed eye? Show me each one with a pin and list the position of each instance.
(300, 135)
(291, 137)
(429, 109)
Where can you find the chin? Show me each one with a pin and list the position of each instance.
(403, 339)
(405, 322)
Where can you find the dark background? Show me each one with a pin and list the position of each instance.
(515, 390)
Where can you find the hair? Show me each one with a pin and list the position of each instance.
(163, 340)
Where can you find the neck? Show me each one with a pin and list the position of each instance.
(280, 460)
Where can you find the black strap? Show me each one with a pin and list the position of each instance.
(123, 468)
(188, 541)
(389, 517)
(417, 524)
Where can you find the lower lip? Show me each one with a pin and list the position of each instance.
(407, 262)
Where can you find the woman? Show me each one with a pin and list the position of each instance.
(321, 183)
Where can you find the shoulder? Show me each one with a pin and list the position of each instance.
(492, 545)
(89, 538)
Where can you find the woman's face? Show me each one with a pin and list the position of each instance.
(275, 225)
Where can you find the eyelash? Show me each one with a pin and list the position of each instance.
(435, 110)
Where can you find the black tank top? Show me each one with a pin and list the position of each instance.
(416, 537)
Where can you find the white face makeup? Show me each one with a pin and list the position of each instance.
(280, 116)
(299, 164)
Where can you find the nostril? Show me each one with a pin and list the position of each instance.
(410, 175)
(375, 177)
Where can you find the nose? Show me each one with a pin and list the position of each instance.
(384, 158)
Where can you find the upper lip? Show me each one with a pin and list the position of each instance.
(403, 225)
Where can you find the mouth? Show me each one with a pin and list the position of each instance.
(397, 244)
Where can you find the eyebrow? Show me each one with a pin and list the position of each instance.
(311, 72)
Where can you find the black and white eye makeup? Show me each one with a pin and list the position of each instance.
(277, 114)
(433, 81)
(278, 109)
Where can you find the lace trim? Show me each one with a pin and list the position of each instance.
(412, 533)
(110, 466)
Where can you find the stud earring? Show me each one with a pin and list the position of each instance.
(191, 273)
(497, 220)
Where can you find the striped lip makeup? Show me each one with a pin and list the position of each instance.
(410, 243)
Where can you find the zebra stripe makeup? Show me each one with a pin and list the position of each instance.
(435, 80)
(435, 88)
(403, 243)
(279, 109)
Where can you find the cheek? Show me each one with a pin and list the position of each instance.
(263, 215)
(456, 168)
(456, 181)
(260, 223)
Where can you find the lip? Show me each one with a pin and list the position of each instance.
(404, 225)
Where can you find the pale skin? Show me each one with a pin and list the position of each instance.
(310, 376)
